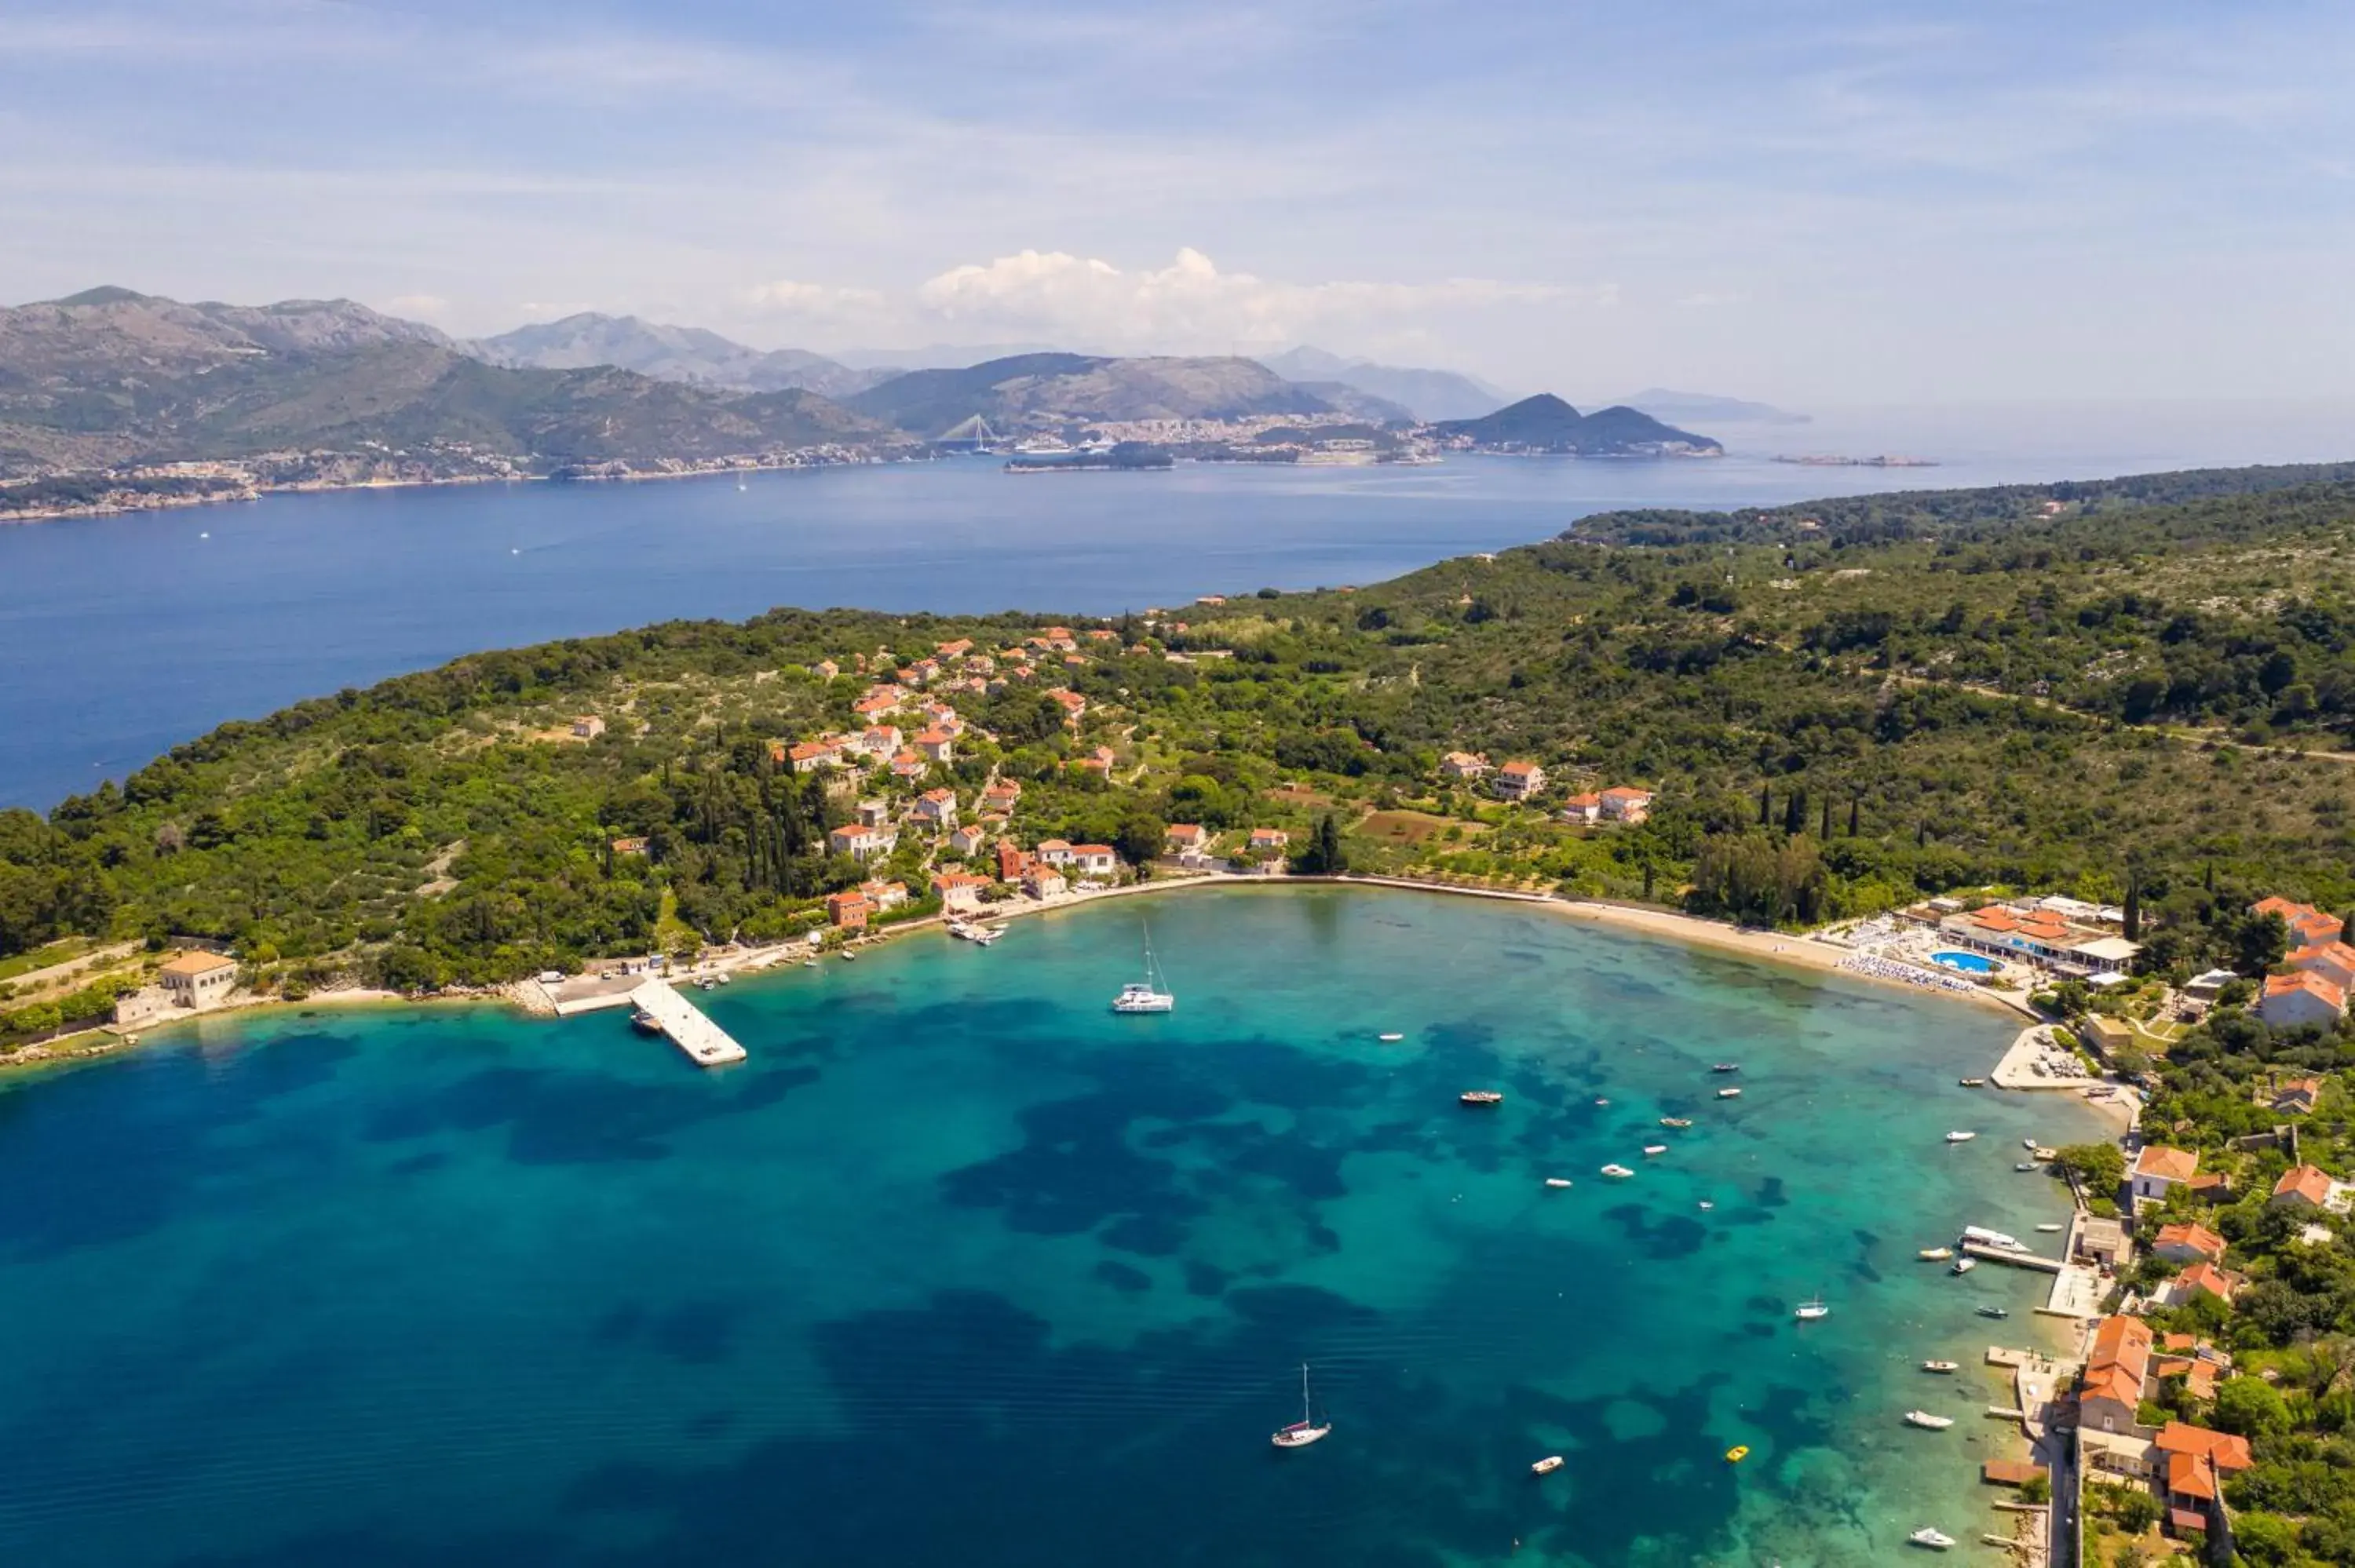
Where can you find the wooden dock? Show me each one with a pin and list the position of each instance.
(706, 1044)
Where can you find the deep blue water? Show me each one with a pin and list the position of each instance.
(125, 636)
(962, 1269)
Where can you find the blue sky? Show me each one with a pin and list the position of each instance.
(1857, 201)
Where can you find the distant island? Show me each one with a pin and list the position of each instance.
(1545, 425)
(1128, 457)
(1707, 408)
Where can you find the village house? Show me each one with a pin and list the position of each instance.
(2298, 1097)
(1055, 852)
(921, 673)
(1098, 761)
(1011, 863)
(2102, 1241)
(1268, 843)
(826, 669)
(2158, 1168)
(587, 726)
(810, 756)
(864, 842)
(2334, 961)
(2309, 927)
(2108, 1036)
(1463, 766)
(877, 740)
(882, 896)
(956, 649)
(2203, 1276)
(2194, 1462)
(937, 745)
(1001, 795)
(1624, 803)
(1583, 808)
(1517, 780)
(847, 911)
(937, 807)
(195, 979)
(1041, 881)
(1094, 860)
(966, 840)
(2112, 1390)
(874, 812)
(2189, 1244)
(910, 765)
(630, 846)
(2306, 1187)
(1190, 842)
(874, 705)
(1073, 705)
(959, 889)
(2299, 999)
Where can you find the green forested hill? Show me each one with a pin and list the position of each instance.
(2119, 692)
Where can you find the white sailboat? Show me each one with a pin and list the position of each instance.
(1307, 1429)
(1149, 994)
(1810, 1311)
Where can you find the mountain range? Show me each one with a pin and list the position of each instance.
(669, 353)
(1055, 389)
(1429, 394)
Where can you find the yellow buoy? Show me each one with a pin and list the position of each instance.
(1735, 1455)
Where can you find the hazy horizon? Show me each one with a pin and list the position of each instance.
(1964, 203)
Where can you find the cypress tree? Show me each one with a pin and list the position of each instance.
(1853, 801)
(1825, 832)
(1765, 804)
(1795, 814)
(2132, 922)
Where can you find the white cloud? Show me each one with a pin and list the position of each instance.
(1190, 304)
(819, 302)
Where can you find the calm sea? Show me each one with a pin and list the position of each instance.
(960, 1267)
(125, 636)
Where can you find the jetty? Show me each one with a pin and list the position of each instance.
(1986, 1253)
(706, 1044)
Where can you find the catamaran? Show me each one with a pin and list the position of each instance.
(1148, 994)
(1305, 1430)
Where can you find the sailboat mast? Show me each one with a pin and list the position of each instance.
(1308, 1416)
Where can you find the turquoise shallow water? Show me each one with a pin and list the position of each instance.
(963, 1267)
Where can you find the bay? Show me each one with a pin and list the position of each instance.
(125, 636)
(961, 1267)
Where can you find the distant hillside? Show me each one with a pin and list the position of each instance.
(110, 377)
(1428, 395)
(668, 353)
(1037, 390)
(1546, 424)
(1706, 409)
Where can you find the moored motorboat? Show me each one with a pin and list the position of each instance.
(644, 1022)
(1602, 1102)
(1557, 1181)
(1653, 1150)
(1738, 1452)
(1480, 1097)
(1810, 1311)
(1936, 1539)
(1995, 1312)
(1727, 1067)
(1676, 1121)
(1390, 1039)
(1729, 1094)
(1307, 1429)
(1960, 1137)
(1617, 1173)
(2029, 1144)
(1973, 1083)
(2049, 1229)
(1940, 1366)
(1935, 1253)
(1547, 1466)
(1925, 1419)
(2024, 1166)
(1965, 1265)
(1707, 1203)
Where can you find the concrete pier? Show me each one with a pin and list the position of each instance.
(2016, 1259)
(705, 1043)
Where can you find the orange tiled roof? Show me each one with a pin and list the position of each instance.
(2304, 1181)
(2198, 1237)
(2122, 1343)
(2190, 1476)
(2205, 1275)
(2167, 1164)
(2230, 1453)
(2312, 984)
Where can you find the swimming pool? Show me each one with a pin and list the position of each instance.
(1969, 963)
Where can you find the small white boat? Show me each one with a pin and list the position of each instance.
(1676, 1121)
(1557, 1181)
(2025, 1166)
(1994, 1311)
(1617, 1173)
(1706, 1205)
(1653, 1150)
(1940, 1366)
(809, 963)
(1307, 1429)
(1480, 1097)
(1973, 1083)
(1936, 1539)
(1965, 1265)
(849, 957)
(1811, 1312)
(1935, 1253)
(1729, 1094)
(1923, 1418)
(1547, 1466)
(2047, 1229)
(1390, 1039)
(1960, 1137)
(2029, 1144)
(1148, 995)
(1727, 1067)
(1602, 1102)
